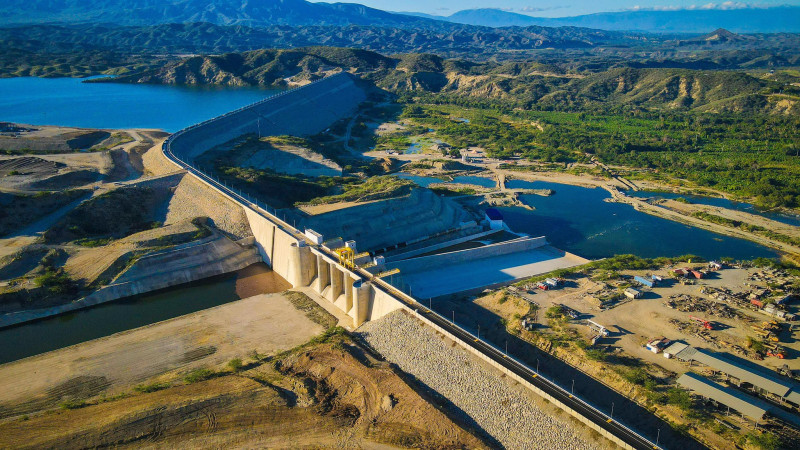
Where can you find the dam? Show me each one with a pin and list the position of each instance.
(400, 248)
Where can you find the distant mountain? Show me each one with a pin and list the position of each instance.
(518, 83)
(259, 13)
(746, 20)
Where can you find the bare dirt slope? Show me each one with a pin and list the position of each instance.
(266, 323)
(321, 395)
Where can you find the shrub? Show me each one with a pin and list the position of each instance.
(235, 365)
(73, 404)
(595, 354)
(553, 312)
(198, 375)
(765, 441)
(152, 387)
(56, 281)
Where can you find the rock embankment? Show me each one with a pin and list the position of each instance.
(475, 389)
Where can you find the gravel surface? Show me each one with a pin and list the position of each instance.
(478, 390)
(192, 198)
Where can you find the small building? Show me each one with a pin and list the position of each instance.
(644, 281)
(633, 293)
(658, 344)
(746, 405)
(313, 236)
(680, 272)
(697, 274)
(674, 348)
(714, 265)
(553, 282)
(495, 219)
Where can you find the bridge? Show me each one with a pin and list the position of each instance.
(305, 262)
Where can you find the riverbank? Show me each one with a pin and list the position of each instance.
(672, 210)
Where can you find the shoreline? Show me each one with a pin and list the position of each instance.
(614, 187)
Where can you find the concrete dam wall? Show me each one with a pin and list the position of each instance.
(299, 112)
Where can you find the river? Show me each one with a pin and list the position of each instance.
(83, 325)
(71, 102)
(580, 220)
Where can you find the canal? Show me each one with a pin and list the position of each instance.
(103, 320)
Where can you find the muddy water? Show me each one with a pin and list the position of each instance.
(73, 328)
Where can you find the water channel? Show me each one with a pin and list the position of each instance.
(103, 320)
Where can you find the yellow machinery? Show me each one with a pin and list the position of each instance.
(346, 256)
(387, 273)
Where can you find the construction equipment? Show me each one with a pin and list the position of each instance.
(785, 370)
(388, 273)
(777, 352)
(766, 335)
(601, 330)
(704, 323)
(346, 256)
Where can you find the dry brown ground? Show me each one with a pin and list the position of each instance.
(321, 396)
(110, 365)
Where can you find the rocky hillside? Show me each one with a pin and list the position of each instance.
(524, 84)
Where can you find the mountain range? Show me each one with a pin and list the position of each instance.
(267, 13)
(517, 83)
(744, 20)
(256, 13)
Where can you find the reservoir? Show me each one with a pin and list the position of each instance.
(79, 326)
(579, 220)
(72, 103)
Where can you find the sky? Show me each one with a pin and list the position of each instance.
(556, 8)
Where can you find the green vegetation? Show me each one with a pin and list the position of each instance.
(747, 227)
(88, 242)
(115, 214)
(197, 375)
(23, 210)
(764, 440)
(374, 188)
(152, 387)
(235, 365)
(56, 281)
(718, 151)
(452, 192)
(680, 398)
(73, 404)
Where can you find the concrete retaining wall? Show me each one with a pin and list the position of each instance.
(433, 248)
(178, 266)
(298, 112)
(488, 251)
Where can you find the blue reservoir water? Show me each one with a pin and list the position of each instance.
(463, 179)
(420, 180)
(719, 202)
(480, 181)
(70, 102)
(577, 219)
